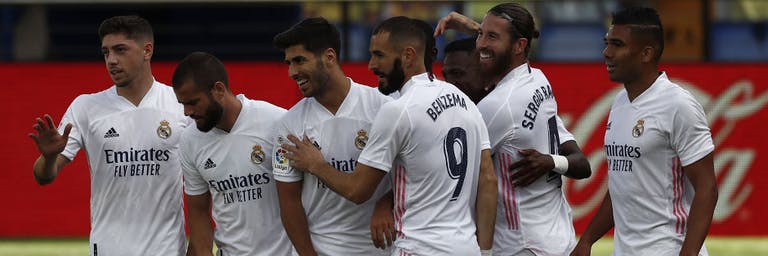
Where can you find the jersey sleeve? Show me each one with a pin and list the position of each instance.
(485, 142)
(194, 183)
(388, 135)
(281, 167)
(75, 140)
(564, 134)
(690, 135)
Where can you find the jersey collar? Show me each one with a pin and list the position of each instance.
(662, 79)
(422, 78)
(516, 73)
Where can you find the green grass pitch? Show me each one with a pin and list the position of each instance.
(717, 246)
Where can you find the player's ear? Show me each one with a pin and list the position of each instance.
(219, 89)
(648, 54)
(149, 49)
(329, 56)
(409, 56)
(519, 45)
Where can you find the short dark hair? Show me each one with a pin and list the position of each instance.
(203, 69)
(520, 20)
(402, 29)
(429, 43)
(134, 28)
(316, 34)
(643, 22)
(461, 45)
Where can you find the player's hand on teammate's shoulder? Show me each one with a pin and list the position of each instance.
(458, 22)
(532, 166)
(47, 139)
(303, 154)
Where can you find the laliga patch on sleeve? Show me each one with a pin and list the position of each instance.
(280, 163)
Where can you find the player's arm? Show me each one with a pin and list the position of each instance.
(702, 176)
(357, 186)
(486, 201)
(293, 216)
(458, 22)
(383, 221)
(50, 144)
(601, 223)
(200, 226)
(533, 165)
(578, 165)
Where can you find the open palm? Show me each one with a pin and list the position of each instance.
(48, 140)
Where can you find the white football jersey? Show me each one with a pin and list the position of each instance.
(136, 184)
(337, 226)
(430, 138)
(647, 142)
(234, 167)
(521, 113)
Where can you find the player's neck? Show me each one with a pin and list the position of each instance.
(232, 108)
(135, 91)
(638, 86)
(334, 95)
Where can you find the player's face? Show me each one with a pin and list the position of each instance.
(307, 70)
(386, 64)
(199, 105)
(622, 54)
(494, 45)
(124, 58)
(460, 69)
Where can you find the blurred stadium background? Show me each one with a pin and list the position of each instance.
(49, 54)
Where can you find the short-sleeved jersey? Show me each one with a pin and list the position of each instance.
(136, 180)
(431, 139)
(337, 226)
(647, 142)
(235, 168)
(521, 113)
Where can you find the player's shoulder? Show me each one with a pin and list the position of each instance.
(262, 109)
(369, 94)
(672, 96)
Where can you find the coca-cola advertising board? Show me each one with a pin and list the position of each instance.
(734, 97)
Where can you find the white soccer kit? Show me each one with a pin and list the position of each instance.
(521, 113)
(136, 184)
(235, 168)
(431, 139)
(337, 226)
(647, 142)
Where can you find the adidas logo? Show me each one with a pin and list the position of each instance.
(209, 164)
(111, 133)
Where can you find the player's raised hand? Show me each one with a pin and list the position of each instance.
(532, 166)
(383, 222)
(47, 139)
(455, 20)
(303, 154)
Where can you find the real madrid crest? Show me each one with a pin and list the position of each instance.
(164, 130)
(361, 139)
(638, 129)
(257, 155)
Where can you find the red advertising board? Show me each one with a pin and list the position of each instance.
(733, 95)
